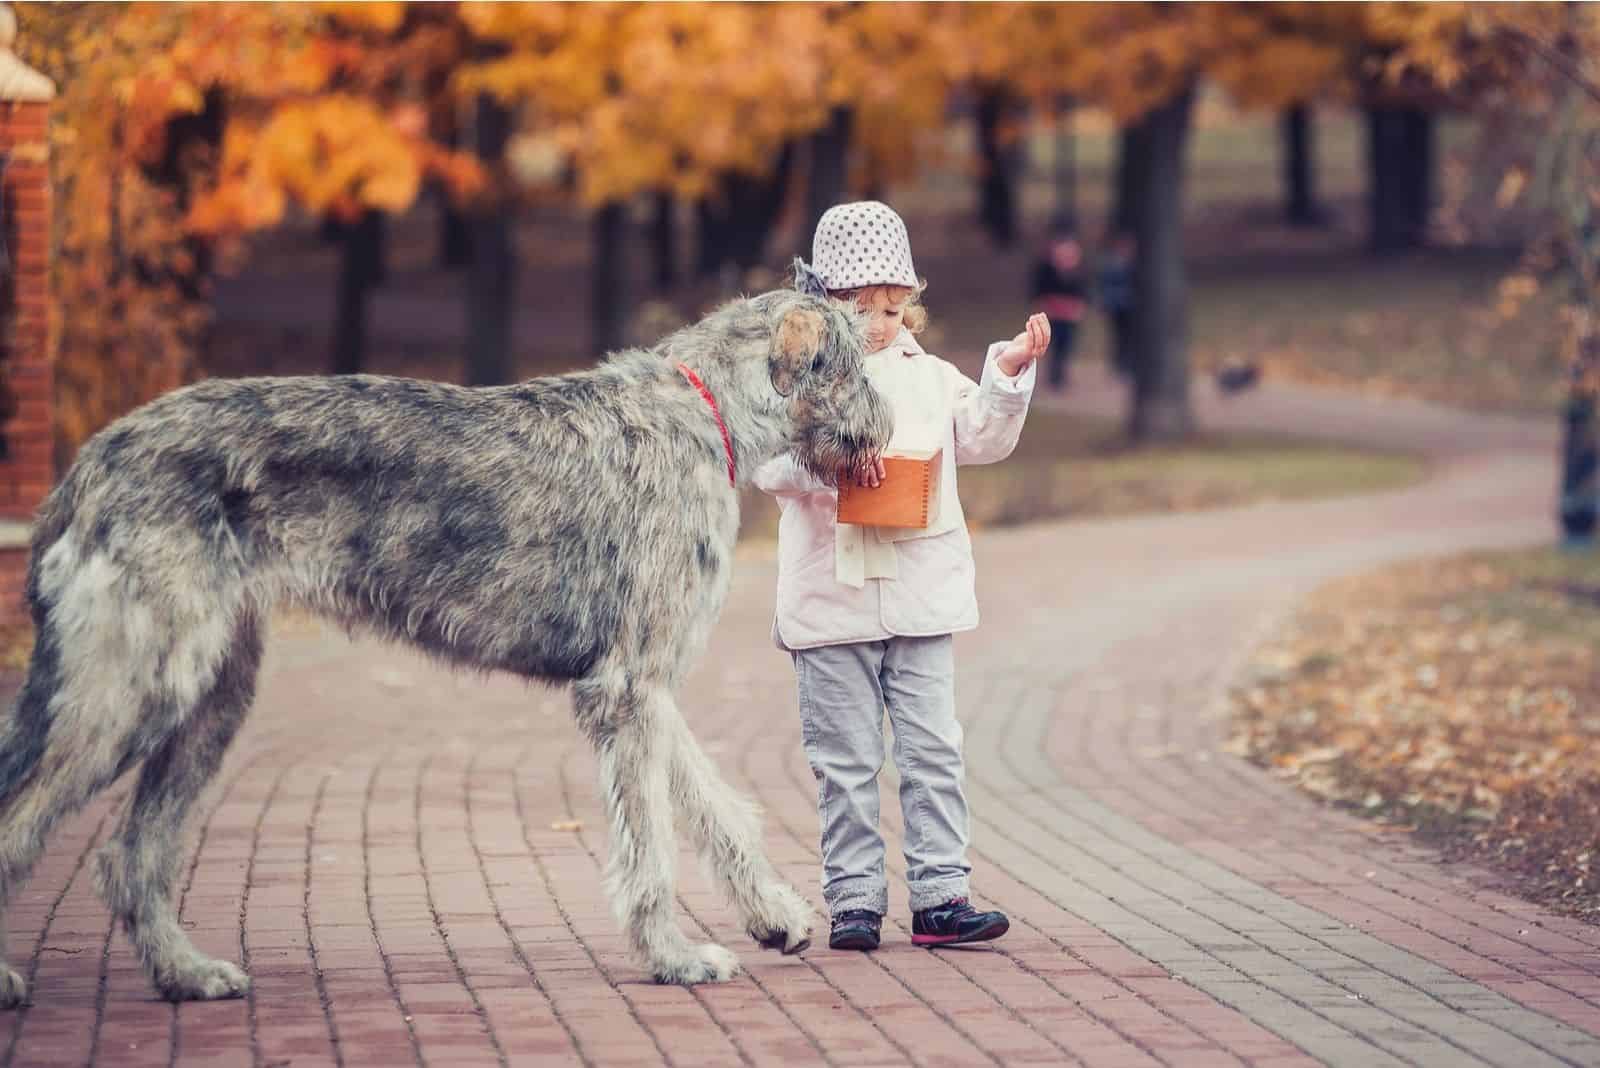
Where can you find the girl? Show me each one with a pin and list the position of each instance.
(1058, 290)
(868, 613)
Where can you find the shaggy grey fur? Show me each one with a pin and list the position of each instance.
(576, 529)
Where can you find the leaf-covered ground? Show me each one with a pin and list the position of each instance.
(1458, 698)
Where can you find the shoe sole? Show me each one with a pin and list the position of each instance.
(862, 942)
(982, 934)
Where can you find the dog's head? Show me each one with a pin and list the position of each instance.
(787, 369)
(837, 420)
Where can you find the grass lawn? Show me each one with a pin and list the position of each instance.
(1070, 467)
(1423, 325)
(1459, 699)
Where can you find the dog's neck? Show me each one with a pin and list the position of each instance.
(756, 417)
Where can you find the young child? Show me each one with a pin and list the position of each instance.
(868, 613)
(1058, 290)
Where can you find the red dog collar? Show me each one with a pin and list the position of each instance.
(727, 442)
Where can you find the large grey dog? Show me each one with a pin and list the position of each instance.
(577, 528)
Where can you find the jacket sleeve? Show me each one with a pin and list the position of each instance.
(784, 476)
(989, 414)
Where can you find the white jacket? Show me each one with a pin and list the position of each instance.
(933, 589)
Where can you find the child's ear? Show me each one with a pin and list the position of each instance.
(795, 344)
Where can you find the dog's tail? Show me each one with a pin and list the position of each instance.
(25, 730)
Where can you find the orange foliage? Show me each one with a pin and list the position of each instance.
(315, 104)
(640, 96)
(129, 330)
(328, 106)
(1534, 66)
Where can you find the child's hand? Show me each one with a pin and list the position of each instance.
(1026, 347)
(871, 474)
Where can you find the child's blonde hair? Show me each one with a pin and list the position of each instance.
(916, 319)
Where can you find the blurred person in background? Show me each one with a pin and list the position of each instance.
(1117, 298)
(1059, 290)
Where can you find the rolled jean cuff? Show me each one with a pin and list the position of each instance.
(854, 895)
(935, 892)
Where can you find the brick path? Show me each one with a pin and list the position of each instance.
(389, 847)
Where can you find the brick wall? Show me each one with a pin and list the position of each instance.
(27, 467)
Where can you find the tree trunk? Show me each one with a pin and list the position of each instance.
(608, 298)
(745, 198)
(1580, 468)
(1130, 156)
(1419, 172)
(1066, 170)
(755, 203)
(1160, 410)
(708, 233)
(1400, 177)
(664, 239)
(1580, 447)
(1299, 167)
(361, 269)
(1131, 162)
(492, 272)
(455, 235)
(455, 231)
(183, 135)
(997, 201)
(830, 159)
(735, 226)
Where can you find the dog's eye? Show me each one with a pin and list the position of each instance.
(816, 364)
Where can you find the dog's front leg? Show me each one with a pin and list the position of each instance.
(727, 829)
(635, 746)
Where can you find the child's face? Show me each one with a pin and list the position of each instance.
(887, 308)
(1066, 254)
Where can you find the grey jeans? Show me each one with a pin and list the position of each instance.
(844, 690)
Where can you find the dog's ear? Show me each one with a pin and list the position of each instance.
(795, 344)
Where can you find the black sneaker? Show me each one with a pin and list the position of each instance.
(855, 929)
(956, 921)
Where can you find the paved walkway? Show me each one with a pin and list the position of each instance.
(408, 860)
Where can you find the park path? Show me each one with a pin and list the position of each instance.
(408, 860)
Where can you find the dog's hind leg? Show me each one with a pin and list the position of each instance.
(79, 723)
(624, 718)
(25, 812)
(726, 827)
(118, 662)
(138, 866)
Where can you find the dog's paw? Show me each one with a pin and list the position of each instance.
(204, 980)
(13, 988)
(709, 963)
(783, 920)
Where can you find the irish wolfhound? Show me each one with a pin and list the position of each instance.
(576, 528)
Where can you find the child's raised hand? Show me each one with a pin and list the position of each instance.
(1027, 346)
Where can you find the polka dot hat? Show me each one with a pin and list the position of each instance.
(862, 244)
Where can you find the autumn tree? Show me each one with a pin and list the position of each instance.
(125, 265)
(1143, 62)
(179, 128)
(346, 139)
(1530, 70)
(673, 100)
